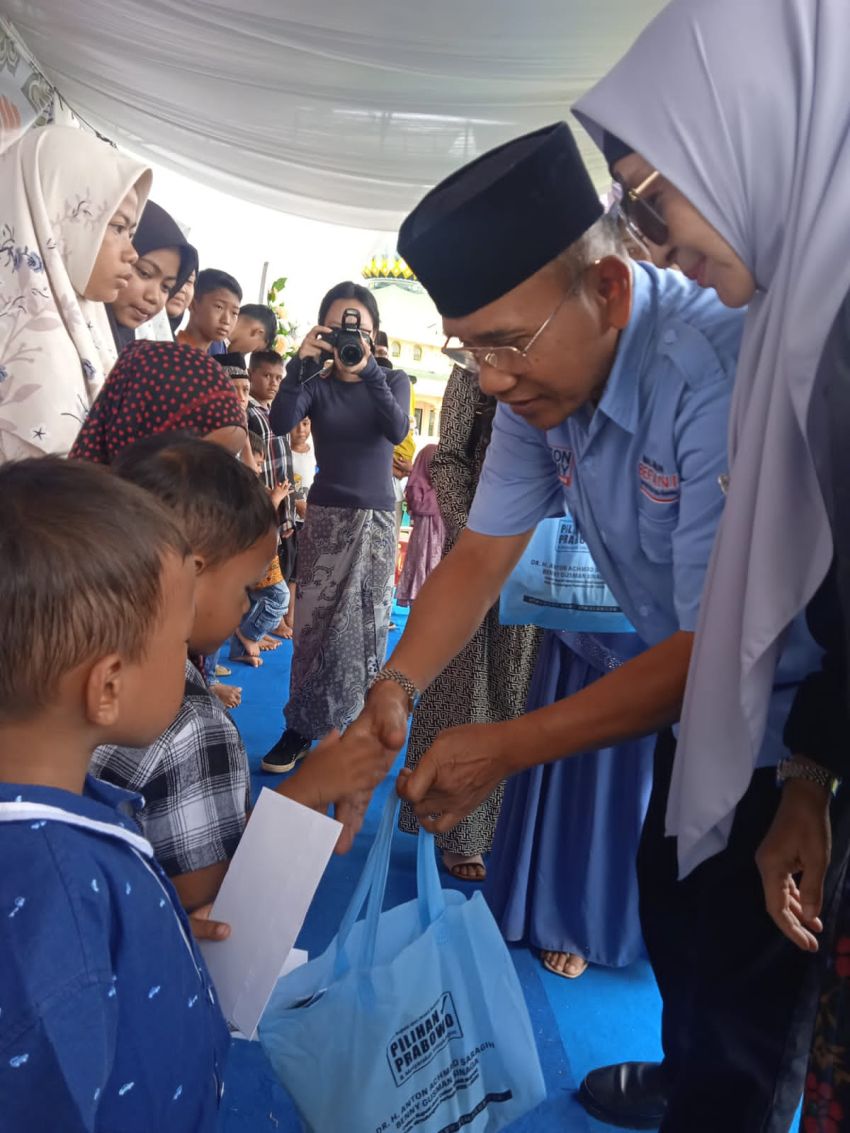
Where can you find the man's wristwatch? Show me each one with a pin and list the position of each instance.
(404, 682)
(812, 772)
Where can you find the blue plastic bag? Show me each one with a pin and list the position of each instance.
(556, 585)
(412, 1021)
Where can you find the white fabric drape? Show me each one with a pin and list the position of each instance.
(340, 112)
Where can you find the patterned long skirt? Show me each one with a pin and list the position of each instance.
(346, 558)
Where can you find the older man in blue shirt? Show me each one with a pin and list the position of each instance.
(614, 382)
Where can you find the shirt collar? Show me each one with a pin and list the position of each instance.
(620, 400)
(99, 801)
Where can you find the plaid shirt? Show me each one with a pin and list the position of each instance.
(195, 781)
(277, 466)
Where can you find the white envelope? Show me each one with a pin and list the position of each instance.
(264, 898)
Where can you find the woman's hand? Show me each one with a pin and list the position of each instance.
(797, 846)
(315, 346)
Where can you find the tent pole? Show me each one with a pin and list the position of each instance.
(263, 277)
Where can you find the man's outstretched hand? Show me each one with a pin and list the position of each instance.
(458, 772)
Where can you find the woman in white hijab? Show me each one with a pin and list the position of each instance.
(728, 126)
(69, 204)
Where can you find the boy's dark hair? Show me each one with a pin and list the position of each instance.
(221, 506)
(213, 279)
(349, 290)
(81, 562)
(263, 315)
(265, 358)
(258, 444)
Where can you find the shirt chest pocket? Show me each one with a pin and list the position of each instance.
(656, 524)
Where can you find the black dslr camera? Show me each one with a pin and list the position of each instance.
(348, 341)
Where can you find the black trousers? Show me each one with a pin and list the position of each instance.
(738, 997)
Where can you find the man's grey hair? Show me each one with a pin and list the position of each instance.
(604, 238)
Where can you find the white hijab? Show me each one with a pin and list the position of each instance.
(59, 188)
(744, 105)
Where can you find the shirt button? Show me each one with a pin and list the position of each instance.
(604, 536)
(643, 611)
(670, 337)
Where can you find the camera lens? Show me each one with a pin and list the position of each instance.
(351, 353)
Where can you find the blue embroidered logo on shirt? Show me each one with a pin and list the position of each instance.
(656, 484)
(18, 1061)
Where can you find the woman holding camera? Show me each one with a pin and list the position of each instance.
(347, 548)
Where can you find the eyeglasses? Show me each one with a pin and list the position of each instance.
(506, 359)
(641, 218)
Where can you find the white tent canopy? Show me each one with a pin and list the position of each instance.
(338, 111)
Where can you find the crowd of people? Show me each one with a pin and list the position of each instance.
(176, 497)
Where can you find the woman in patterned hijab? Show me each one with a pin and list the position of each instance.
(69, 205)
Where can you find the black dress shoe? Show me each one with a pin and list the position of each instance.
(630, 1095)
(291, 747)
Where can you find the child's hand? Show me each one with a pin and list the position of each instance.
(338, 769)
(280, 493)
(205, 929)
(350, 812)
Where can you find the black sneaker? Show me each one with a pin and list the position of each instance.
(291, 747)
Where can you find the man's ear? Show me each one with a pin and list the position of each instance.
(200, 564)
(102, 691)
(610, 281)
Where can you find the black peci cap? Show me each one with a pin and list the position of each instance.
(500, 219)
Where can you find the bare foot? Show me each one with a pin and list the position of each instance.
(565, 964)
(249, 653)
(229, 696)
(268, 645)
(283, 630)
(465, 867)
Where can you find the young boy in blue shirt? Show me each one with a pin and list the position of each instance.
(109, 1021)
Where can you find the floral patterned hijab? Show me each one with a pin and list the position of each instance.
(59, 188)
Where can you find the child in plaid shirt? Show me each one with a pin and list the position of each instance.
(195, 778)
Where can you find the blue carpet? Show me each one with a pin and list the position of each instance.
(606, 1016)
